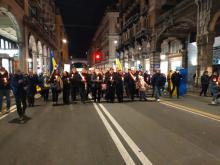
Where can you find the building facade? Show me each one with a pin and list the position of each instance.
(28, 34)
(105, 41)
(62, 38)
(169, 34)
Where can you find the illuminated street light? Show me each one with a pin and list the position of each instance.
(115, 42)
(163, 57)
(29, 60)
(64, 41)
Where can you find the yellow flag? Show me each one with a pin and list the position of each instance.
(54, 63)
(118, 64)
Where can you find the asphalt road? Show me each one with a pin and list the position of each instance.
(172, 132)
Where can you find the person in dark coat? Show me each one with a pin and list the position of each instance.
(126, 80)
(32, 81)
(110, 80)
(214, 87)
(97, 80)
(56, 86)
(119, 83)
(75, 80)
(157, 83)
(131, 80)
(83, 85)
(175, 78)
(66, 88)
(19, 88)
(147, 78)
(5, 89)
(205, 83)
(46, 87)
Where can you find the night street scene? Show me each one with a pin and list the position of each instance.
(109, 82)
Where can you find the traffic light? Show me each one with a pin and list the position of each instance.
(98, 56)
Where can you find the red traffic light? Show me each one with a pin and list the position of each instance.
(97, 56)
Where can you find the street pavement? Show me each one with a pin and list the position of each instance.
(172, 132)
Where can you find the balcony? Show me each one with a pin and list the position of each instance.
(41, 29)
(131, 21)
(178, 9)
(143, 33)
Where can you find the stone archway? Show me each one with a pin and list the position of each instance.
(32, 59)
(10, 32)
(214, 21)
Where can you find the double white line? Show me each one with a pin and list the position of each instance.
(124, 153)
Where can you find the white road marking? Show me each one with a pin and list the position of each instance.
(144, 160)
(12, 109)
(125, 155)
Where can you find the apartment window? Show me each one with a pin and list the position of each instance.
(6, 44)
(164, 48)
(175, 46)
(9, 45)
(2, 44)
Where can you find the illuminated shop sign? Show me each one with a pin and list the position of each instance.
(10, 52)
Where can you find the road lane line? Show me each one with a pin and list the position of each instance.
(124, 153)
(192, 110)
(144, 160)
(12, 109)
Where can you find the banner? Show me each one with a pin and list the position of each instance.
(118, 64)
(67, 68)
(53, 63)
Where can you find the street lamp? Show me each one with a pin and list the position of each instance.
(64, 40)
(29, 60)
(115, 42)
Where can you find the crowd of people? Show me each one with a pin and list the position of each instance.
(210, 82)
(102, 84)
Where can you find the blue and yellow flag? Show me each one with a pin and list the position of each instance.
(53, 64)
(118, 63)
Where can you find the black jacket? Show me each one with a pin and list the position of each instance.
(176, 78)
(205, 80)
(75, 80)
(4, 81)
(157, 80)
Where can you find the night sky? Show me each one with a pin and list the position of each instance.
(81, 18)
